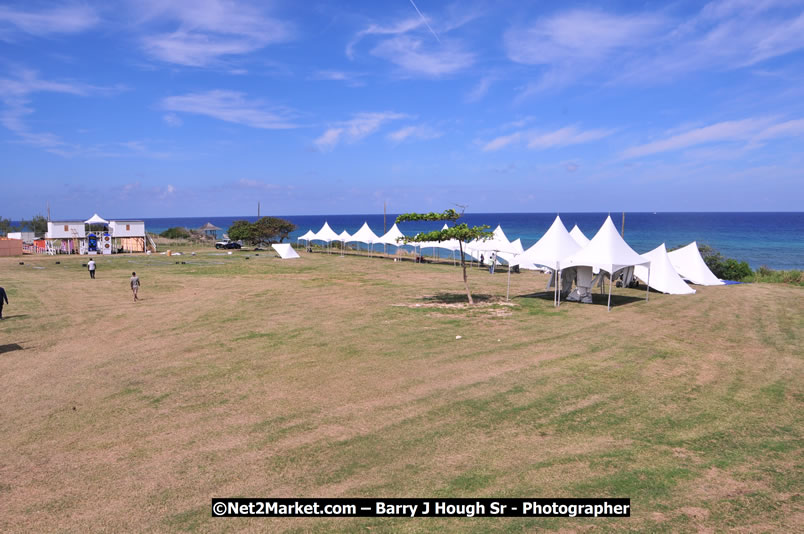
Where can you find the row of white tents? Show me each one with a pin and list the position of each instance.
(559, 249)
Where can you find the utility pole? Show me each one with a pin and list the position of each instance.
(258, 209)
(48, 211)
(622, 228)
(384, 215)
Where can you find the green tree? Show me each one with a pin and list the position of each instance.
(175, 233)
(268, 229)
(6, 226)
(241, 231)
(37, 225)
(460, 232)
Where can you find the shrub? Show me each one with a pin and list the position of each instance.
(176, 232)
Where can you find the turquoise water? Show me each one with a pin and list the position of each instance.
(772, 239)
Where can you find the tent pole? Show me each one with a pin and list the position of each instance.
(508, 291)
(647, 289)
(609, 292)
(558, 293)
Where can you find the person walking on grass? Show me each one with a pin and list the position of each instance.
(135, 285)
(3, 297)
(91, 267)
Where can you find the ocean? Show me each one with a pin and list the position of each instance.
(775, 240)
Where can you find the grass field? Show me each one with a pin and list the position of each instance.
(332, 377)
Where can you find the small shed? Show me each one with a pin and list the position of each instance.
(210, 230)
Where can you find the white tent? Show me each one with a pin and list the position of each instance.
(96, 219)
(390, 237)
(497, 243)
(365, 235)
(689, 264)
(578, 236)
(307, 237)
(326, 234)
(344, 238)
(607, 251)
(285, 251)
(555, 245)
(663, 277)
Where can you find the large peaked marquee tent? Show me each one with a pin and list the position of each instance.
(663, 277)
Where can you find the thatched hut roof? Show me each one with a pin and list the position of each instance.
(209, 226)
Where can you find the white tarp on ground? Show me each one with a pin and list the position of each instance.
(96, 219)
(579, 236)
(555, 245)
(326, 234)
(285, 251)
(689, 264)
(663, 277)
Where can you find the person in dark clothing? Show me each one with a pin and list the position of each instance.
(3, 298)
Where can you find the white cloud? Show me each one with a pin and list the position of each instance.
(414, 132)
(355, 129)
(230, 106)
(566, 136)
(583, 44)
(502, 141)
(171, 119)
(752, 131)
(209, 30)
(480, 90)
(414, 56)
(400, 27)
(71, 18)
(569, 135)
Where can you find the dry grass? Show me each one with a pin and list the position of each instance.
(329, 376)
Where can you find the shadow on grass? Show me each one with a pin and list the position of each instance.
(597, 298)
(10, 348)
(18, 316)
(458, 298)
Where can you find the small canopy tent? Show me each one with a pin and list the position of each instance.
(365, 235)
(609, 252)
(663, 277)
(689, 264)
(555, 245)
(96, 219)
(285, 251)
(578, 236)
(497, 243)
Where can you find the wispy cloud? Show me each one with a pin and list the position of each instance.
(208, 31)
(409, 45)
(16, 94)
(413, 56)
(569, 135)
(355, 129)
(422, 132)
(480, 90)
(230, 106)
(70, 18)
(349, 78)
(171, 119)
(752, 132)
(574, 46)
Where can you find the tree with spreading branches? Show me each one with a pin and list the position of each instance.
(460, 232)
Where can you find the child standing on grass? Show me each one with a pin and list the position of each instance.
(3, 297)
(135, 285)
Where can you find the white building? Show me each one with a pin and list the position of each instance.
(71, 237)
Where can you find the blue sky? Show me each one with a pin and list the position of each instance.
(152, 108)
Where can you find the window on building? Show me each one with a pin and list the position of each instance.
(128, 227)
(66, 228)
